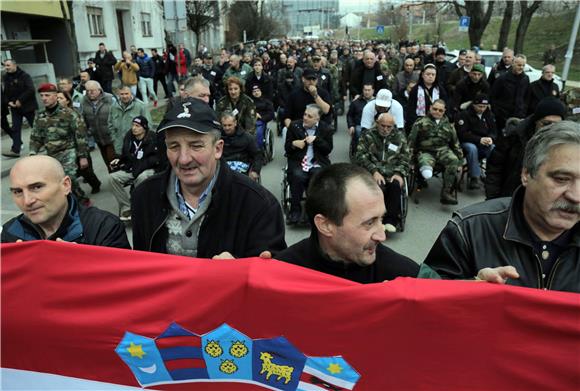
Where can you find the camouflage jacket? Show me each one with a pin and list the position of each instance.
(242, 73)
(59, 131)
(335, 77)
(244, 110)
(387, 155)
(428, 136)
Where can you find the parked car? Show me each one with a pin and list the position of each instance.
(491, 58)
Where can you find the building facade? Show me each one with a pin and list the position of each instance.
(306, 13)
(119, 25)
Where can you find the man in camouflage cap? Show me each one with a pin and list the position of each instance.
(384, 153)
(434, 140)
(63, 134)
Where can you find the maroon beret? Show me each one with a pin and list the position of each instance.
(47, 87)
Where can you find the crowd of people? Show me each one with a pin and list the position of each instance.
(192, 187)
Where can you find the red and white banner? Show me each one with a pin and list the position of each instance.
(66, 308)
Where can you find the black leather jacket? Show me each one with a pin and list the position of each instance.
(494, 233)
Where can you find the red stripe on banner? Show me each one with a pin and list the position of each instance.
(172, 342)
(185, 363)
(311, 379)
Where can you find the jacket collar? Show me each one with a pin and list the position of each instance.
(518, 230)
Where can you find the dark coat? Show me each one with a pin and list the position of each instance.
(494, 233)
(265, 108)
(322, 144)
(357, 74)
(243, 217)
(466, 90)
(504, 164)
(265, 83)
(499, 69)
(241, 146)
(470, 129)
(539, 90)
(19, 86)
(411, 115)
(129, 160)
(146, 67)
(106, 64)
(508, 95)
(388, 265)
(80, 225)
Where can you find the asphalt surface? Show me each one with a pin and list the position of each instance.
(424, 220)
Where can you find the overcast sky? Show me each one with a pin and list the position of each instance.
(347, 6)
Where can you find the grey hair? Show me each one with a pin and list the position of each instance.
(93, 83)
(539, 146)
(313, 106)
(227, 114)
(190, 83)
(522, 56)
(545, 67)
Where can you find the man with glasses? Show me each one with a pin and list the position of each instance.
(383, 152)
(434, 142)
(505, 162)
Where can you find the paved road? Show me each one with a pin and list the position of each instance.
(424, 221)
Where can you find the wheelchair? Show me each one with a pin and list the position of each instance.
(417, 183)
(265, 140)
(286, 196)
(404, 202)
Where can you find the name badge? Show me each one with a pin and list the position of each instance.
(323, 77)
(76, 104)
(140, 154)
(393, 147)
(212, 73)
(380, 77)
(235, 112)
(242, 72)
(576, 110)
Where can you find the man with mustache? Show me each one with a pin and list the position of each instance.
(531, 239)
(345, 207)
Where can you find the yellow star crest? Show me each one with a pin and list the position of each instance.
(136, 350)
(334, 368)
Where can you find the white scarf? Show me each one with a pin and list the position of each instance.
(421, 103)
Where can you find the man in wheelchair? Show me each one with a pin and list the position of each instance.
(308, 144)
(383, 151)
(434, 142)
(240, 150)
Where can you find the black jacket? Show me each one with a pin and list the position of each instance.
(265, 83)
(106, 64)
(466, 90)
(504, 164)
(508, 95)
(357, 75)
(159, 65)
(265, 108)
(411, 114)
(322, 144)
(470, 128)
(355, 110)
(19, 86)
(499, 69)
(243, 218)
(139, 156)
(539, 90)
(242, 147)
(388, 265)
(494, 233)
(300, 98)
(80, 225)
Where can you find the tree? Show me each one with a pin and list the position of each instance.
(201, 15)
(252, 17)
(526, 13)
(479, 19)
(506, 23)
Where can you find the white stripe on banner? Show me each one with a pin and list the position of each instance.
(309, 387)
(17, 379)
(331, 379)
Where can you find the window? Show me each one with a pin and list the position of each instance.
(146, 24)
(95, 16)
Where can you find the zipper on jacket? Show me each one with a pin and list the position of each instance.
(155, 232)
(553, 273)
(540, 278)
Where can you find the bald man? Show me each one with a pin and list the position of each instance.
(42, 191)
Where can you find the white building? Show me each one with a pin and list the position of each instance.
(178, 32)
(118, 24)
(351, 20)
